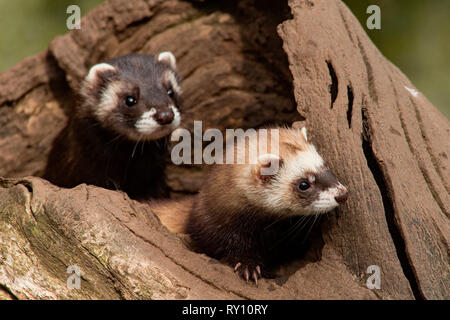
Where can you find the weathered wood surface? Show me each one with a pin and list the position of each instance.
(389, 145)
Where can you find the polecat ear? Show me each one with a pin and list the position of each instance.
(100, 72)
(168, 58)
(266, 167)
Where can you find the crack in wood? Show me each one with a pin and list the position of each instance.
(174, 260)
(347, 28)
(421, 167)
(369, 71)
(8, 292)
(427, 145)
(110, 275)
(350, 98)
(384, 186)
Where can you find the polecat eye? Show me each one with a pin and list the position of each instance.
(130, 101)
(304, 185)
(170, 93)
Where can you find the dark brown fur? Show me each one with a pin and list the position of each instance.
(228, 228)
(87, 153)
(231, 221)
(102, 153)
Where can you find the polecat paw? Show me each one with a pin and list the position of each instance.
(248, 271)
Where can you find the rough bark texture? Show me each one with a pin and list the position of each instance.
(388, 145)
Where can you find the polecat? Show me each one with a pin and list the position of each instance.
(248, 218)
(117, 138)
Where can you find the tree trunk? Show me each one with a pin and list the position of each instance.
(244, 65)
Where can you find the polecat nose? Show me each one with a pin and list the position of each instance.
(164, 117)
(342, 196)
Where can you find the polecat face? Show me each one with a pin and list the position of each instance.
(302, 185)
(137, 96)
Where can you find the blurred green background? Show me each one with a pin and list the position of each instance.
(414, 35)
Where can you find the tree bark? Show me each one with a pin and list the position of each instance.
(244, 65)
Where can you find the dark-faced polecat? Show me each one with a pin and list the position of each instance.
(248, 218)
(117, 138)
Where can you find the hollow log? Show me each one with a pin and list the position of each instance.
(245, 64)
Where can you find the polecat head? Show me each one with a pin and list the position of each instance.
(137, 96)
(301, 183)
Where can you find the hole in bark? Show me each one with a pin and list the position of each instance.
(266, 94)
(27, 185)
(382, 184)
(236, 75)
(262, 62)
(350, 105)
(333, 88)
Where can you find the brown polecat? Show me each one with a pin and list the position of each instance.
(117, 138)
(249, 218)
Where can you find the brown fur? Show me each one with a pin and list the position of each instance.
(231, 220)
